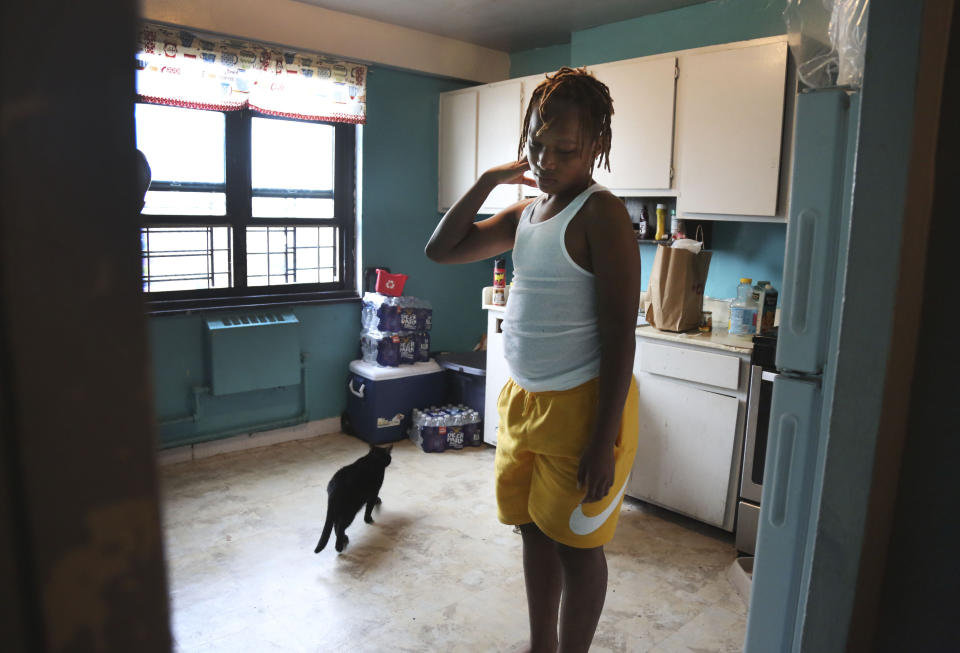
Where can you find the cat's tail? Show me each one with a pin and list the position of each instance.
(325, 535)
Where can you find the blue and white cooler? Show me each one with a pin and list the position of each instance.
(380, 400)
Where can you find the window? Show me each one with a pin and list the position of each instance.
(245, 209)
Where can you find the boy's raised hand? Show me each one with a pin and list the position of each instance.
(511, 173)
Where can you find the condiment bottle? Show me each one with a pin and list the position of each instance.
(706, 322)
(768, 308)
(661, 222)
(644, 221)
(499, 281)
(758, 289)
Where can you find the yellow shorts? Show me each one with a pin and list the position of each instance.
(539, 443)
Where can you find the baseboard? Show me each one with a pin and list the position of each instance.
(244, 441)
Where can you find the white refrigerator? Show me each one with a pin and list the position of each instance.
(819, 212)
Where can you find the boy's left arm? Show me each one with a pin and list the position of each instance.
(615, 258)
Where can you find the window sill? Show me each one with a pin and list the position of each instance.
(157, 307)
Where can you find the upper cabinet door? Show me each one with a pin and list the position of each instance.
(529, 83)
(458, 146)
(729, 128)
(498, 133)
(642, 149)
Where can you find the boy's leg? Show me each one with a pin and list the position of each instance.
(542, 573)
(584, 591)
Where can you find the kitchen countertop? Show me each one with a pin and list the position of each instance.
(713, 340)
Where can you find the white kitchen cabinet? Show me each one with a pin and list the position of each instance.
(458, 145)
(497, 375)
(641, 152)
(690, 439)
(710, 126)
(478, 128)
(642, 125)
(499, 119)
(529, 83)
(730, 104)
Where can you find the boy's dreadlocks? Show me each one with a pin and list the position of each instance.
(590, 95)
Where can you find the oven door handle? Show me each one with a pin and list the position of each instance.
(747, 488)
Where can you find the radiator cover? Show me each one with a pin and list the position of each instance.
(252, 351)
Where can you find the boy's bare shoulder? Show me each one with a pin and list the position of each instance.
(517, 209)
(606, 205)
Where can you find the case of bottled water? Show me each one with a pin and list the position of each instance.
(422, 339)
(438, 428)
(404, 313)
(395, 330)
(381, 347)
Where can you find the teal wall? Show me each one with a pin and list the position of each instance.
(398, 213)
(328, 334)
(745, 249)
(709, 23)
(400, 204)
(539, 60)
(740, 249)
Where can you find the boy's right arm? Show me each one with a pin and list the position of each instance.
(458, 239)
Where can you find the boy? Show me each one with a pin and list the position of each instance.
(568, 415)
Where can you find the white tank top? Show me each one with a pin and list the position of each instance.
(550, 335)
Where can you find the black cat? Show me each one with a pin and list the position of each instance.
(350, 488)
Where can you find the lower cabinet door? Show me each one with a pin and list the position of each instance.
(685, 451)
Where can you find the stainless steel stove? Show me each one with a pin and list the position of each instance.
(762, 373)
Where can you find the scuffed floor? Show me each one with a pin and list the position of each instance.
(436, 572)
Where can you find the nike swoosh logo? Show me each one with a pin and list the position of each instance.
(583, 525)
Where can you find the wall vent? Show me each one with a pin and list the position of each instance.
(251, 319)
(252, 351)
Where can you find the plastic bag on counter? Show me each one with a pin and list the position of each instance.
(688, 244)
(828, 39)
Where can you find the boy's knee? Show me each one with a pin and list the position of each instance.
(575, 556)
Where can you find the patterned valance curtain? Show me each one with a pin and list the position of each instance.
(202, 71)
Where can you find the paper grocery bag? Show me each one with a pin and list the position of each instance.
(675, 293)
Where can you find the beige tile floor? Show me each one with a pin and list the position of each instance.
(436, 572)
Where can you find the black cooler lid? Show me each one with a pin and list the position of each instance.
(468, 362)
